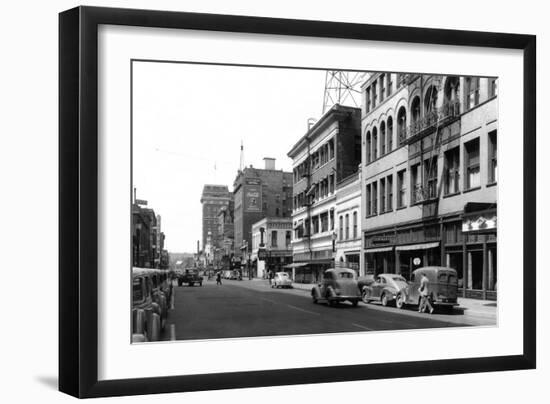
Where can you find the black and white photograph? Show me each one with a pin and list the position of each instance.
(272, 201)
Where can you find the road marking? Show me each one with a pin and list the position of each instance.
(305, 311)
(362, 326)
(172, 332)
(268, 300)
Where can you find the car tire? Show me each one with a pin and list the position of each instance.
(384, 300)
(364, 296)
(331, 297)
(200, 284)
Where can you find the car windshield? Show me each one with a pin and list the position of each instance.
(345, 275)
(283, 275)
(399, 279)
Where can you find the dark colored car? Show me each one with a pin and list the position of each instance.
(442, 288)
(191, 277)
(338, 285)
(385, 288)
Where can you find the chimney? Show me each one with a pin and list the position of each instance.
(269, 163)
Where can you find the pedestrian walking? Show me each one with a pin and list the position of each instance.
(424, 294)
(271, 276)
(218, 278)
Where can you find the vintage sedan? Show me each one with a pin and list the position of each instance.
(385, 289)
(338, 285)
(281, 280)
(442, 288)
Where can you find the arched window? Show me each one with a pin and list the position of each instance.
(368, 147)
(374, 143)
(382, 138)
(354, 225)
(389, 133)
(430, 105)
(415, 111)
(341, 227)
(451, 104)
(402, 125)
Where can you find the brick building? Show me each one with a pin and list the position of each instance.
(213, 198)
(429, 187)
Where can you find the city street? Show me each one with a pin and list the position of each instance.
(251, 308)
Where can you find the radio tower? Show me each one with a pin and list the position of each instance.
(342, 87)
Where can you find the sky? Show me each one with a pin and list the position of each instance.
(188, 124)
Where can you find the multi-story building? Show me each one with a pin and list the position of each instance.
(348, 223)
(259, 193)
(146, 238)
(213, 198)
(271, 245)
(329, 152)
(226, 236)
(429, 164)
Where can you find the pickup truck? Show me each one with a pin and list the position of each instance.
(190, 276)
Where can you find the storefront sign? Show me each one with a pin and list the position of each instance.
(480, 223)
(253, 198)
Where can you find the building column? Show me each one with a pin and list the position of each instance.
(465, 274)
(397, 262)
(442, 244)
(485, 269)
(385, 263)
(469, 269)
(490, 267)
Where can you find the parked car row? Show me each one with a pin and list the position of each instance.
(151, 296)
(189, 276)
(340, 284)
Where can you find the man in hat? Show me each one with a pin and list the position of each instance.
(424, 294)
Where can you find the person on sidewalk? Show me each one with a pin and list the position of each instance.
(424, 294)
(219, 278)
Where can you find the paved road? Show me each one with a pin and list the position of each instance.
(251, 308)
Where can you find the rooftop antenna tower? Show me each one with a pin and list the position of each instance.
(241, 165)
(342, 87)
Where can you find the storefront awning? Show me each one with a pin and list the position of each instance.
(422, 246)
(296, 265)
(378, 249)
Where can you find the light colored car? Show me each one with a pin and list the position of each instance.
(281, 280)
(338, 285)
(385, 289)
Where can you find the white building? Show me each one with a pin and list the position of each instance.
(272, 250)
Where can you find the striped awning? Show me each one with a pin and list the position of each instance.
(421, 246)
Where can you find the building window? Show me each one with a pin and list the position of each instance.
(368, 99)
(382, 87)
(401, 80)
(430, 174)
(382, 195)
(415, 115)
(375, 198)
(315, 222)
(354, 225)
(382, 138)
(493, 89)
(389, 186)
(368, 147)
(331, 148)
(452, 171)
(401, 189)
(277, 211)
(472, 164)
(331, 183)
(374, 95)
(331, 219)
(401, 125)
(389, 134)
(472, 92)
(347, 226)
(416, 184)
(324, 221)
(368, 200)
(389, 83)
(274, 238)
(341, 228)
(374, 143)
(493, 168)
(288, 238)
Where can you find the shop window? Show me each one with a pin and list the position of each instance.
(492, 270)
(472, 164)
(493, 168)
(452, 171)
(389, 186)
(472, 92)
(401, 189)
(476, 270)
(382, 195)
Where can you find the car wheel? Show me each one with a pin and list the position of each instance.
(364, 296)
(384, 300)
(331, 298)
(354, 303)
(200, 283)
(400, 301)
(191, 284)
(314, 298)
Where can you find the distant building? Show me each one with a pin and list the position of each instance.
(430, 176)
(213, 198)
(145, 250)
(348, 223)
(328, 153)
(226, 236)
(259, 193)
(271, 245)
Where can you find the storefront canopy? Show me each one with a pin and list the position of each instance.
(296, 265)
(421, 246)
(378, 249)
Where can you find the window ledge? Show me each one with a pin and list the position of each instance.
(401, 207)
(491, 184)
(471, 189)
(452, 194)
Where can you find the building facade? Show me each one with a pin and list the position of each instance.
(325, 155)
(271, 245)
(147, 238)
(258, 193)
(226, 237)
(429, 183)
(348, 223)
(213, 198)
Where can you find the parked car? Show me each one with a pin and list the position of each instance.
(365, 280)
(149, 303)
(190, 276)
(384, 288)
(281, 280)
(338, 285)
(442, 287)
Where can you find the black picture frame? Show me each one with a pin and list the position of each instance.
(78, 193)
